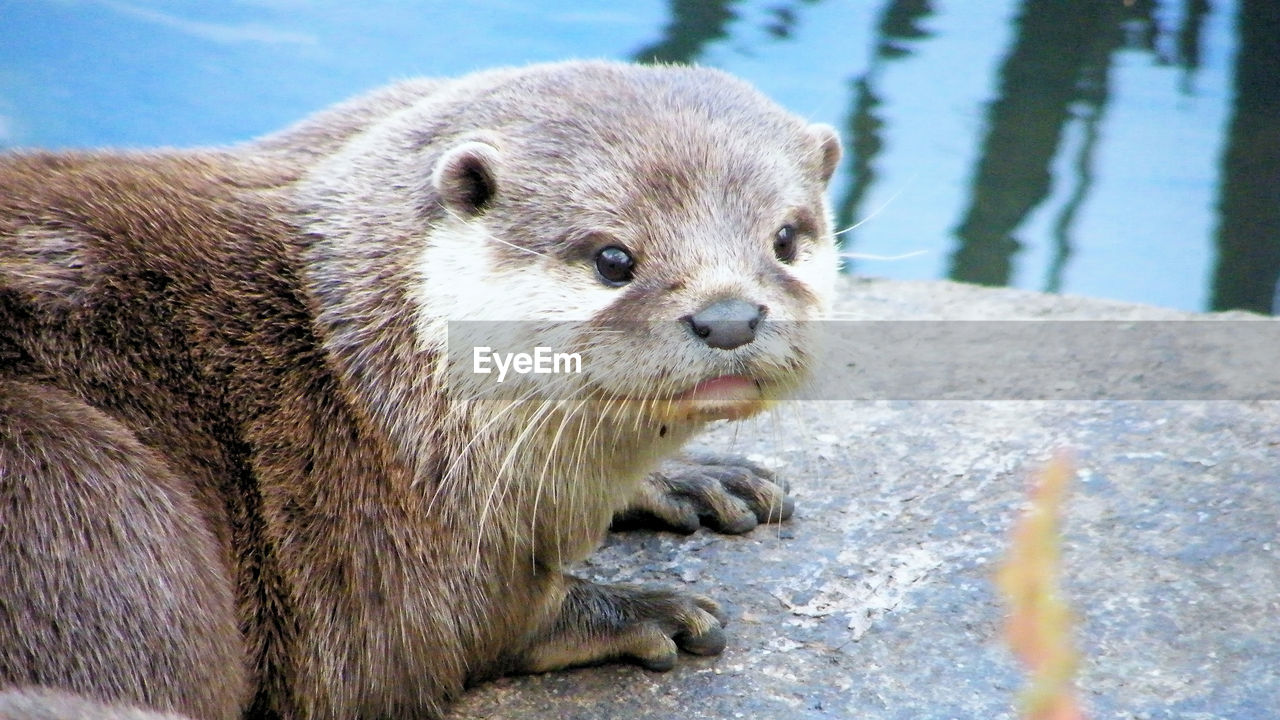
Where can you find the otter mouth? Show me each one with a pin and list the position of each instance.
(722, 397)
(725, 397)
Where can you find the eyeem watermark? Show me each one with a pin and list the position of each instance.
(542, 361)
(1110, 360)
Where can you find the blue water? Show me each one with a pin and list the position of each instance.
(1093, 147)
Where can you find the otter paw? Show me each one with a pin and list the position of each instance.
(726, 493)
(601, 623)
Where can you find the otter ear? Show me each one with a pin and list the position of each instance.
(828, 143)
(466, 178)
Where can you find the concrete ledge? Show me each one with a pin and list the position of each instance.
(876, 600)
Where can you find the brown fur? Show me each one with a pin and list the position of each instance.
(231, 482)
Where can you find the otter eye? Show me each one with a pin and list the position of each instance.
(615, 265)
(784, 243)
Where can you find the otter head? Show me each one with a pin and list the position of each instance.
(666, 225)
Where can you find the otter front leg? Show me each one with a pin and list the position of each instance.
(598, 623)
(727, 493)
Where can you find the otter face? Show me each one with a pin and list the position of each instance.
(667, 225)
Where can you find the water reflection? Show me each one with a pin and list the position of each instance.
(898, 27)
(1190, 45)
(1056, 72)
(1248, 262)
(1087, 146)
(694, 24)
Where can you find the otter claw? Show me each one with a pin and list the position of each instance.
(665, 623)
(726, 493)
(646, 626)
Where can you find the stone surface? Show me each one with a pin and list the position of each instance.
(877, 601)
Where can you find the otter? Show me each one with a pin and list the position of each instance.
(245, 468)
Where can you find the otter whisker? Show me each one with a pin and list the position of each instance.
(555, 452)
(494, 238)
(494, 422)
(886, 258)
(507, 473)
(879, 209)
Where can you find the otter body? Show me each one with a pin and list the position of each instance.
(240, 471)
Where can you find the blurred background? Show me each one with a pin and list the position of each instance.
(1125, 149)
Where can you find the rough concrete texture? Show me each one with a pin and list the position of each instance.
(877, 599)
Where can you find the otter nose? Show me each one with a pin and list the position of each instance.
(726, 324)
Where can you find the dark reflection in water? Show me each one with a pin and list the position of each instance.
(1056, 69)
(1189, 42)
(694, 24)
(1248, 263)
(898, 26)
